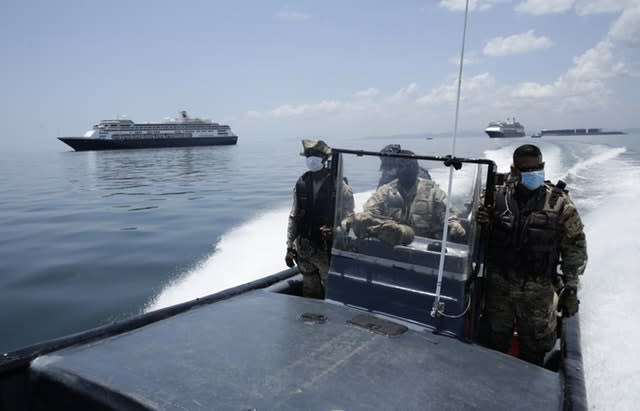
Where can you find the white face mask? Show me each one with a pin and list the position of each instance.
(314, 163)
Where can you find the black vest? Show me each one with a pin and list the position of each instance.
(526, 236)
(312, 213)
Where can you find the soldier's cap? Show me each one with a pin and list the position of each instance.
(310, 147)
(391, 148)
(389, 162)
(526, 150)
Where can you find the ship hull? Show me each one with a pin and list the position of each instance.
(501, 134)
(91, 144)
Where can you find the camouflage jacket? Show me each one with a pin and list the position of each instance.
(422, 208)
(529, 238)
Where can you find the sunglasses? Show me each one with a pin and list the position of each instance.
(534, 168)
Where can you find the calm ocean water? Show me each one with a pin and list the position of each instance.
(93, 237)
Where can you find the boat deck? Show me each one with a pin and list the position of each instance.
(258, 351)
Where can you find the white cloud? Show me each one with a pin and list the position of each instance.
(370, 92)
(581, 87)
(540, 7)
(518, 43)
(469, 60)
(287, 14)
(474, 88)
(404, 93)
(459, 5)
(288, 110)
(626, 29)
(584, 7)
(534, 90)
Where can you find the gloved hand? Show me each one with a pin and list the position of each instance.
(568, 302)
(290, 256)
(393, 233)
(327, 233)
(456, 230)
(484, 214)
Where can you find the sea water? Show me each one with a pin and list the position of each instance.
(87, 238)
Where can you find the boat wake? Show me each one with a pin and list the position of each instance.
(243, 254)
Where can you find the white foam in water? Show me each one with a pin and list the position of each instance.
(610, 331)
(251, 251)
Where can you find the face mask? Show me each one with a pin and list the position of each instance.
(314, 163)
(532, 179)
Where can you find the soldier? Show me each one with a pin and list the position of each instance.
(533, 226)
(389, 165)
(310, 232)
(408, 205)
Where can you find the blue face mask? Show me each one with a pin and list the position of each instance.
(532, 179)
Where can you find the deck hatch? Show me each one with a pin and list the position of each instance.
(377, 325)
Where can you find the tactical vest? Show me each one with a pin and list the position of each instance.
(526, 239)
(312, 213)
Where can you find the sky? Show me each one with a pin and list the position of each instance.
(287, 70)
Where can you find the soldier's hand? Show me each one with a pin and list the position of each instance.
(326, 232)
(456, 230)
(569, 302)
(483, 214)
(289, 257)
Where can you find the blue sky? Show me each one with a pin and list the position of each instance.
(274, 69)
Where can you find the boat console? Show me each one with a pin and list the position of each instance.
(401, 280)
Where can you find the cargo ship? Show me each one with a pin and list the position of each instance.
(577, 132)
(125, 134)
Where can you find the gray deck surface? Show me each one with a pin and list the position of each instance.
(254, 352)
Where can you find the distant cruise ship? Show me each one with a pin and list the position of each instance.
(125, 134)
(500, 129)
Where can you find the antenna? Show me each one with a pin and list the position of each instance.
(438, 308)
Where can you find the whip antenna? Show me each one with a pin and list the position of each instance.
(438, 307)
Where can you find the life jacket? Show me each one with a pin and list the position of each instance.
(526, 238)
(312, 213)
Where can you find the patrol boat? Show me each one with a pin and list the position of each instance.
(401, 328)
(125, 134)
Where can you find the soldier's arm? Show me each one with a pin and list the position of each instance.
(376, 205)
(292, 228)
(573, 245)
(348, 203)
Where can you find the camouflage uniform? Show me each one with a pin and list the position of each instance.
(422, 208)
(311, 210)
(528, 237)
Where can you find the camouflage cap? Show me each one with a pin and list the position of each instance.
(318, 146)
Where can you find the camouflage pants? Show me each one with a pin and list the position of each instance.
(530, 306)
(313, 263)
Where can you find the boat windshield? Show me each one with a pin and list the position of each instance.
(386, 254)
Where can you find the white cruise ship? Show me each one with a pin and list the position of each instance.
(501, 129)
(125, 134)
